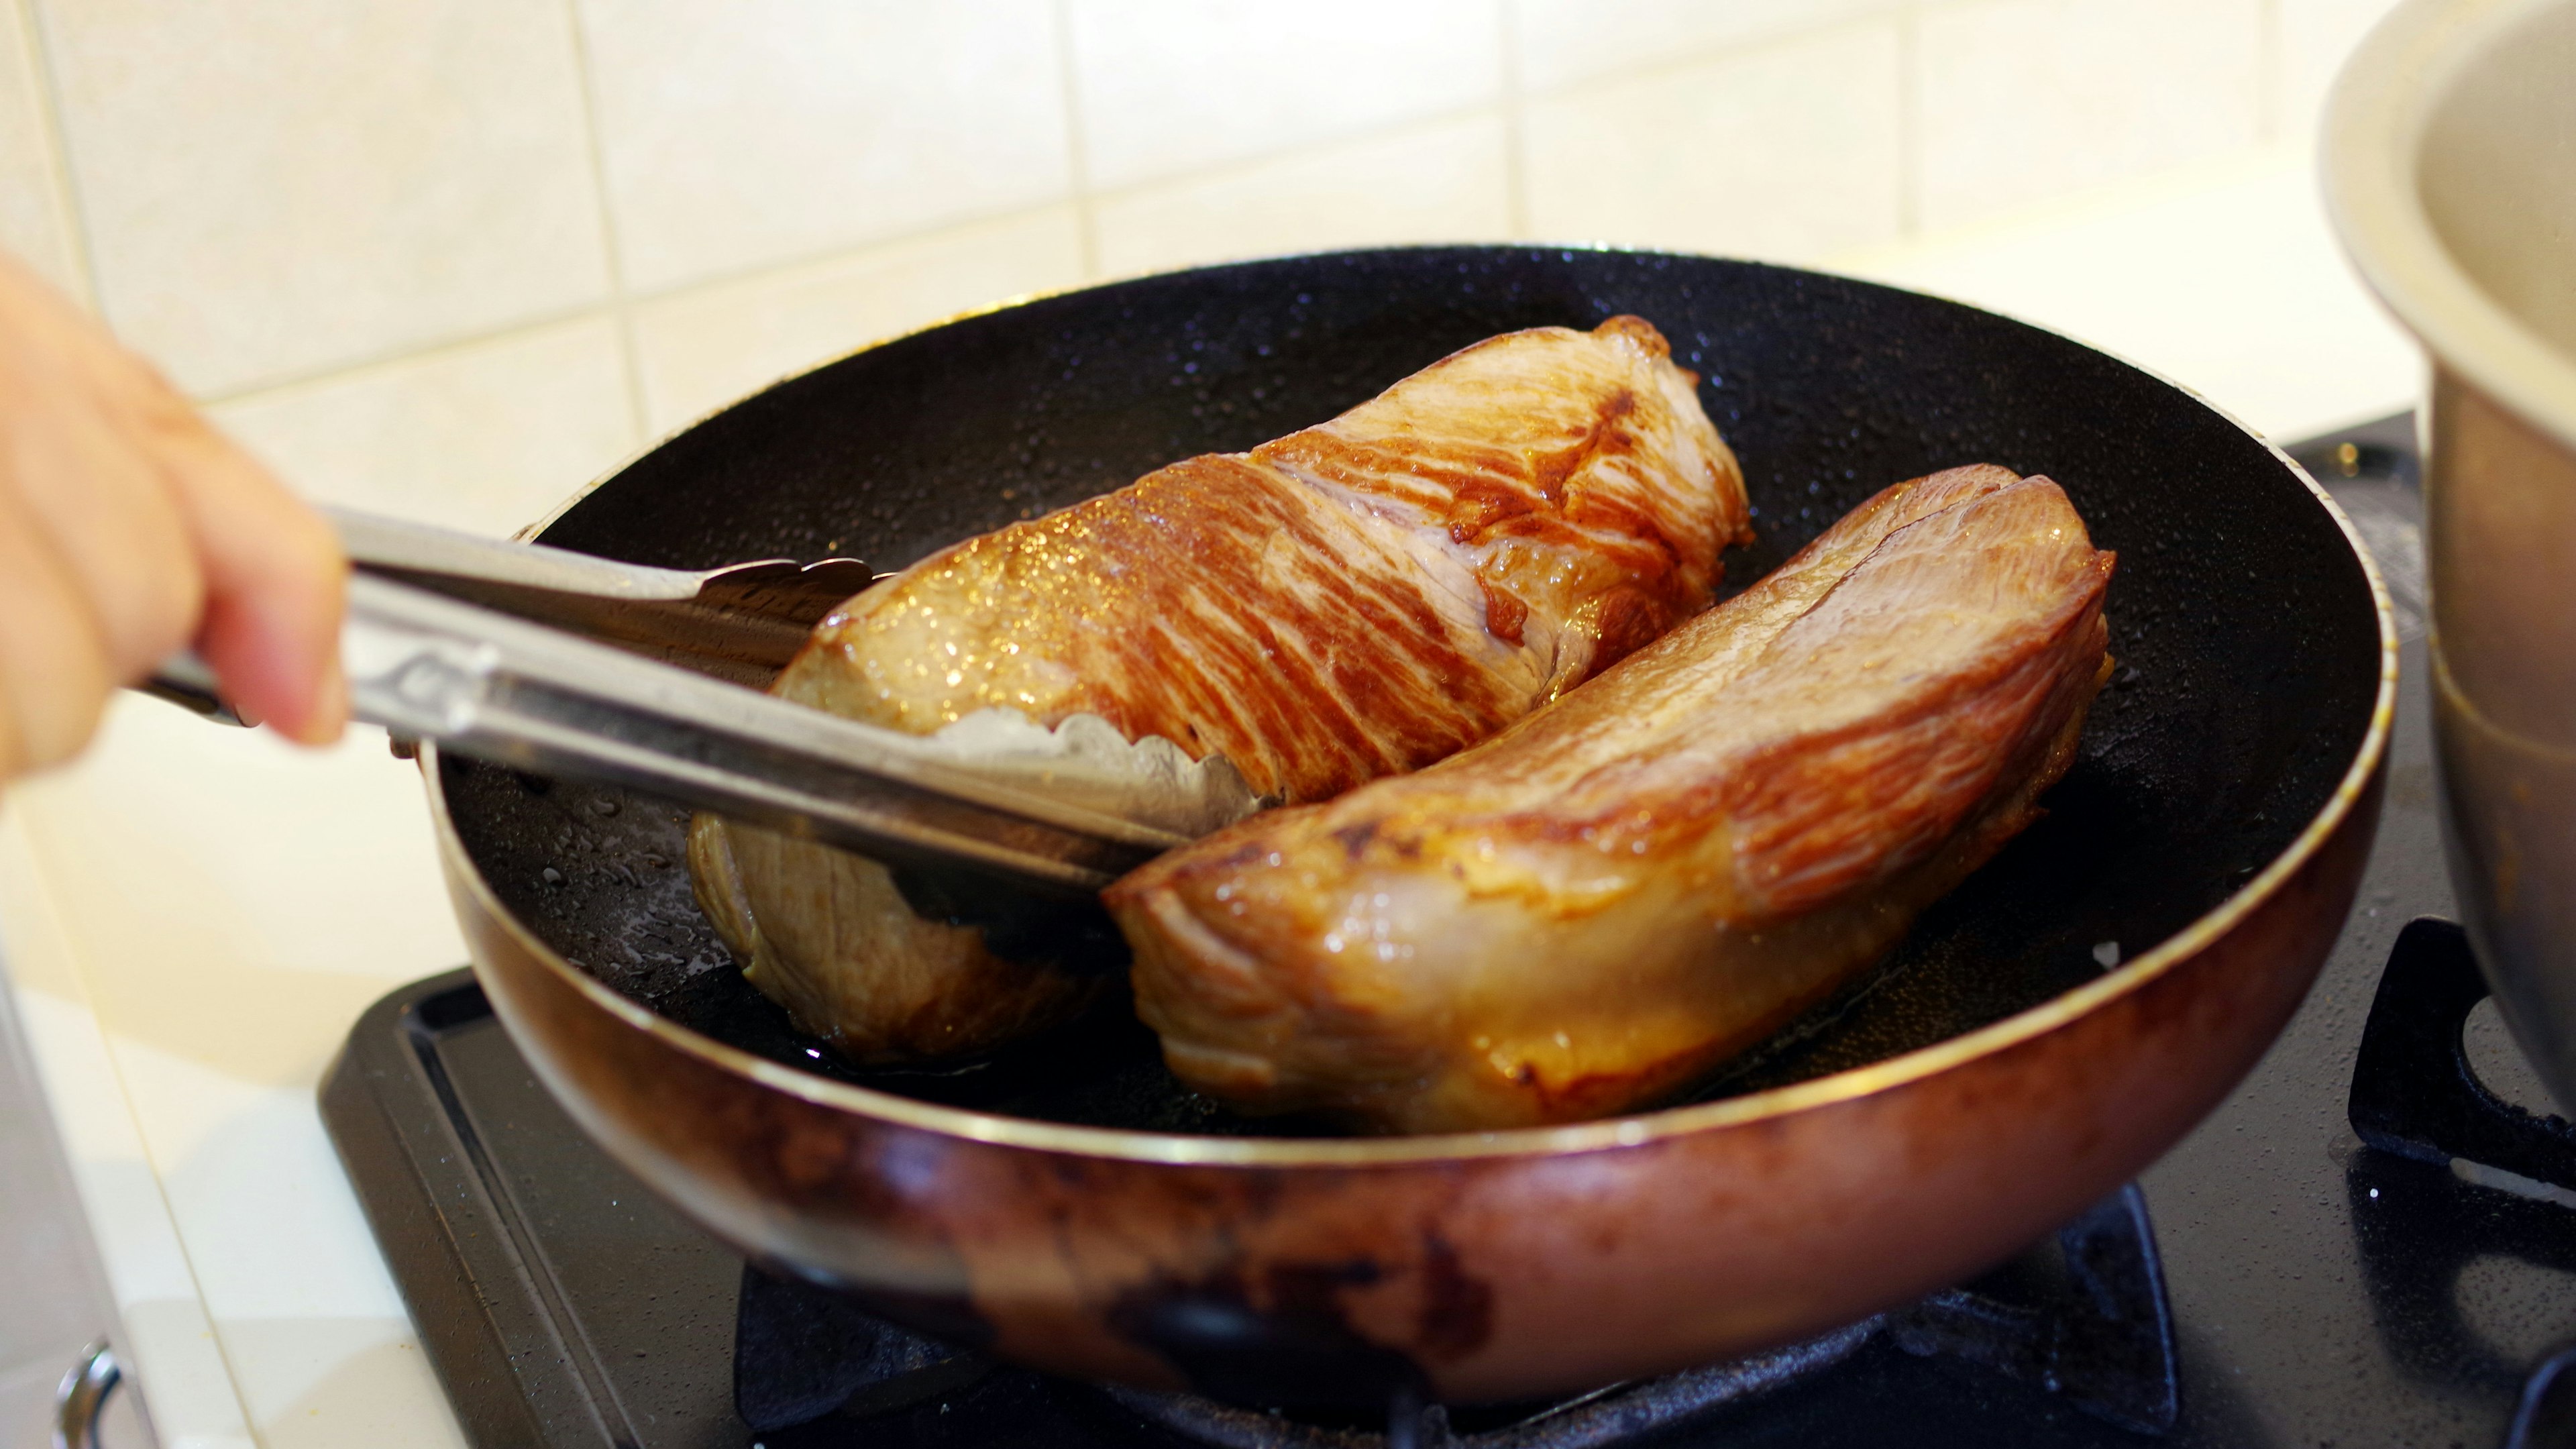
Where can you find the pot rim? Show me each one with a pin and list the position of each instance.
(1632, 1130)
(2369, 158)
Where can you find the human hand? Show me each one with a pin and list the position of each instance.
(130, 527)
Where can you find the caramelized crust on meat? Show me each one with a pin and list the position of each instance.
(1661, 868)
(1357, 599)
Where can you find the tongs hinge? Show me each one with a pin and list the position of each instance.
(524, 695)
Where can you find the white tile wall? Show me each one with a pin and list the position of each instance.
(2025, 99)
(450, 257)
(703, 348)
(274, 188)
(33, 223)
(1163, 86)
(1790, 151)
(1446, 181)
(760, 131)
(1562, 41)
(489, 436)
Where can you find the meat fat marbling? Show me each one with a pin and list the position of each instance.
(1357, 599)
(1587, 912)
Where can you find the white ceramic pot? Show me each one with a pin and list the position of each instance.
(2450, 168)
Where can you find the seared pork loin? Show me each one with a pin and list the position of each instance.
(1661, 868)
(1350, 601)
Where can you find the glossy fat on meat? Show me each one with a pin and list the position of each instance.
(1349, 601)
(1663, 867)
(1354, 600)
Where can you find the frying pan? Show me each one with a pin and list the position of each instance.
(1070, 1206)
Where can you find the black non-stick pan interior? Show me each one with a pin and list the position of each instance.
(2243, 628)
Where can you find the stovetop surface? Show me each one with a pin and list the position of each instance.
(2323, 1293)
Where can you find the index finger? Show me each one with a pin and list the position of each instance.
(276, 582)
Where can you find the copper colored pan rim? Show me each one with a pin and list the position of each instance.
(1629, 1131)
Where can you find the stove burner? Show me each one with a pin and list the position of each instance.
(1605, 1416)
(2104, 1338)
(802, 1353)
(2083, 1316)
(2546, 1417)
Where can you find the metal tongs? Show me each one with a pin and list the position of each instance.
(559, 663)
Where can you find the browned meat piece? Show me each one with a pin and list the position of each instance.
(1661, 868)
(1357, 599)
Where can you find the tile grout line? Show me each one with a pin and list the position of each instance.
(422, 351)
(2271, 61)
(1086, 201)
(621, 306)
(1077, 151)
(1220, 170)
(32, 33)
(1667, 66)
(837, 251)
(1909, 124)
(407, 352)
(1516, 217)
(761, 271)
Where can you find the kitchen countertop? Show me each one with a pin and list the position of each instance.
(191, 917)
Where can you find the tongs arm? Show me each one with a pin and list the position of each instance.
(528, 696)
(743, 622)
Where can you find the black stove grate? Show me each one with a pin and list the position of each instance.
(2416, 1095)
(2414, 1091)
(2082, 1315)
(1618, 1414)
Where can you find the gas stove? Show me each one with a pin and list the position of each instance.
(2371, 1242)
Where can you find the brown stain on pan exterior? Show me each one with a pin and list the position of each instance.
(1691, 1245)
(1457, 1307)
(1286, 1340)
